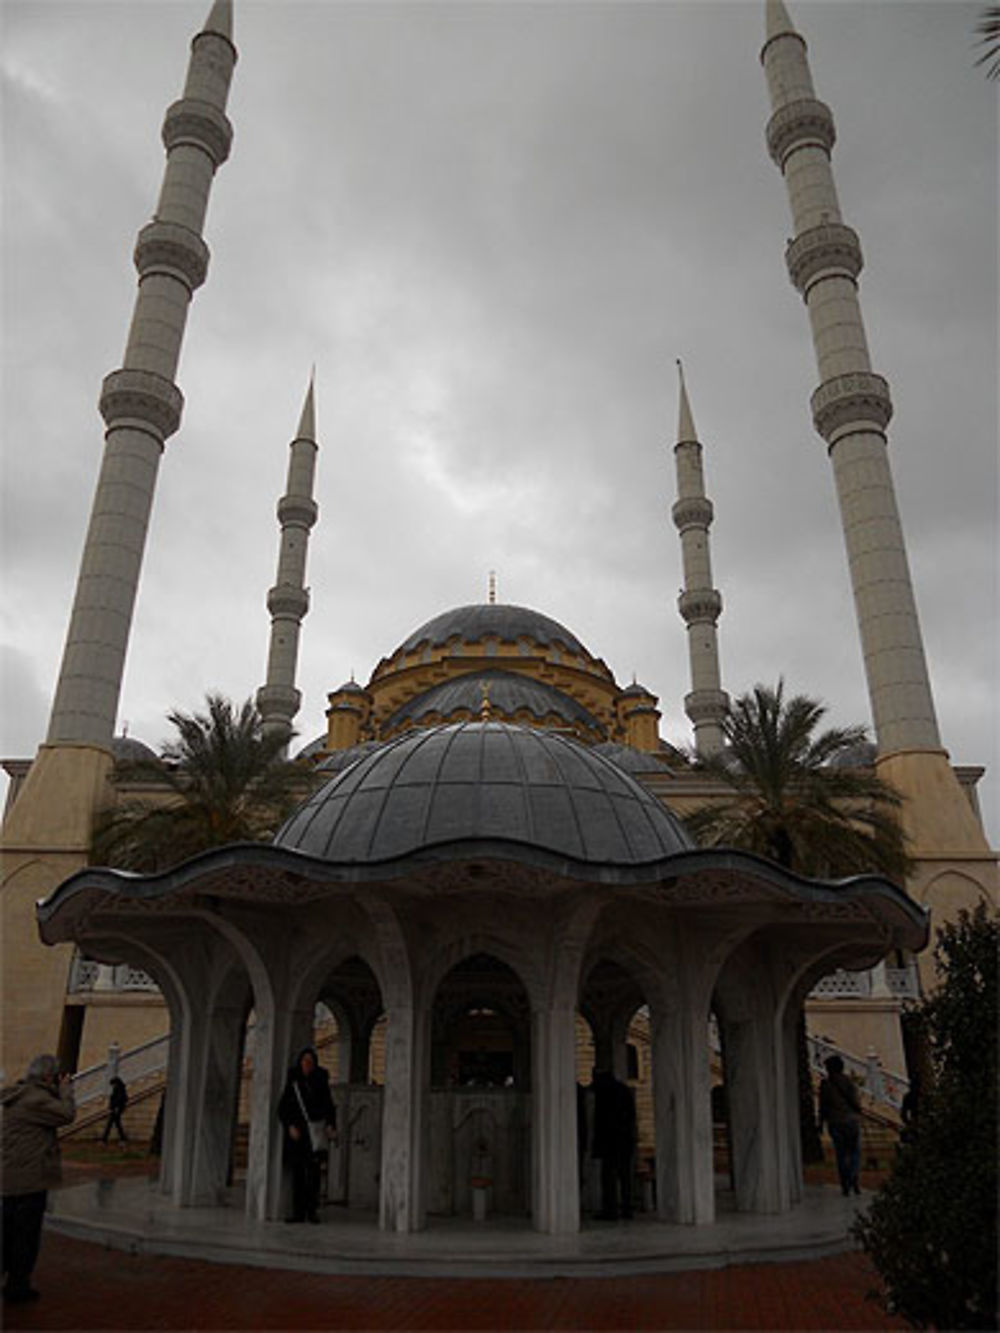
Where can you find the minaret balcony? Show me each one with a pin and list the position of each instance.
(805, 123)
(706, 705)
(142, 397)
(846, 404)
(171, 248)
(286, 599)
(829, 250)
(191, 121)
(692, 511)
(700, 606)
(278, 701)
(297, 509)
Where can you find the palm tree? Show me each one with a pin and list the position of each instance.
(222, 780)
(799, 798)
(988, 28)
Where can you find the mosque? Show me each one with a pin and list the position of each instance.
(494, 857)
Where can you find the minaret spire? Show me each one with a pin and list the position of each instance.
(700, 604)
(288, 601)
(851, 408)
(140, 403)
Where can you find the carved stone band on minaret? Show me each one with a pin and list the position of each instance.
(850, 403)
(706, 705)
(283, 700)
(298, 509)
(173, 249)
(829, 250)
(143, 399)
(807, 122)
(191, 121)
(286, 599)
(694, 511)
(700, 605)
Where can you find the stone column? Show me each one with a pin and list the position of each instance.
(401, 1202)
(755, 1083)
(555, 1180)
(682, 1100)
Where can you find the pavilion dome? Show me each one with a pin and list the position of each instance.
(486, 781)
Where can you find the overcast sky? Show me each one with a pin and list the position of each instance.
(493, 226)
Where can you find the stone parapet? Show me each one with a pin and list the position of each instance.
(298, 509)
(693, 511)
(851, 402)
(173, 249)
(807, 122)
(190, 121)
(706, 705)
(142, 398)
(829, 249)
(700, 604)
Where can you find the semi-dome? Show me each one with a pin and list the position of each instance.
(507, 693)
(130, 750)
(487, 781)
(493, 619)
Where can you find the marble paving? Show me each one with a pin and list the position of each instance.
(132, 1215)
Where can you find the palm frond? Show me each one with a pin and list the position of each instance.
(988, 29)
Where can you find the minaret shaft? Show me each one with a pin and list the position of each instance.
(288, 601)
(700, 604)
(851, 407)
(140, 403)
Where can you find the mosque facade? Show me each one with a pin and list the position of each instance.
(497, 836)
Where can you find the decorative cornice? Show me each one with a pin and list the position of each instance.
(855, 400)
(285, 599)
(698, 605)
(831, 249)
(807, 122)
(142, 396)
(693, 511)
(171, 248)
(191, 121)
(297, 509)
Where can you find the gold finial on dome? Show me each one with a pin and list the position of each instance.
(485, 712)
(491, 593)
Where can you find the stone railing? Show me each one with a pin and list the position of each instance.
(87, 976)
(901, 983)
(130, 1066)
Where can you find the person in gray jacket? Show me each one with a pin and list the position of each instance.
(31, 1112)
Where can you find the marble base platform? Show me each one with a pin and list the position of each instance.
(132, 1215)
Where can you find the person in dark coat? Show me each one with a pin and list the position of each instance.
(306, 1101)
(614, 1143)
(117, 1101)
(840, 1110)
(31, 1113)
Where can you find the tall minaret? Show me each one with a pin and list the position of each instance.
(851, 407)
(700, 604)
(140, 403)
(288, 601)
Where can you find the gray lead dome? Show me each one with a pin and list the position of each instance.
(486, 781)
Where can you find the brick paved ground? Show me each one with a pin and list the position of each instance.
(85, 1286)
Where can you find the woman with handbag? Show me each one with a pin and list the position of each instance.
(307, 1112)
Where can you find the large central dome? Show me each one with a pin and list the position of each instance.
(481, 620)
(484, 781)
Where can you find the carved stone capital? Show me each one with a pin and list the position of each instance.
(806, 122)
(824, 251)
(855, 400)
(285, 599)
(142, 396)
(706, 705)
(694, 511)
(298, 509)
(699, 605)
(200, 123)
(169, 247)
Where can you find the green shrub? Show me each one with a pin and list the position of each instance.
(932, 1228)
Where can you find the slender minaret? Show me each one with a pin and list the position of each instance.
(140, 403)
(700, 604)
(851, 407)
(288, 601)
